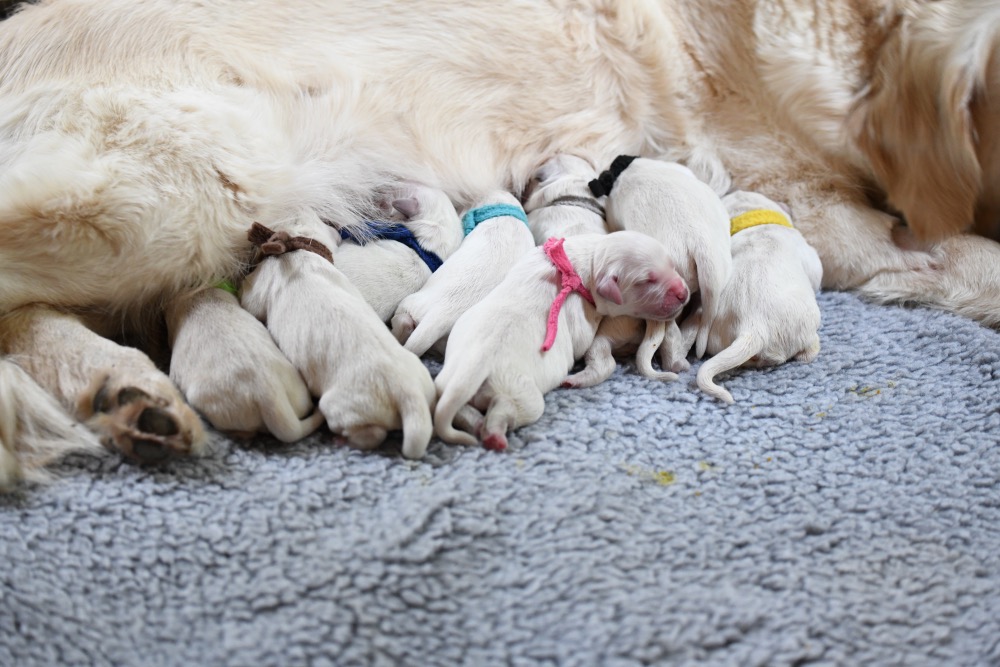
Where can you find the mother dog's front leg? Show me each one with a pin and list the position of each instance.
(117, 391)
(367, 383)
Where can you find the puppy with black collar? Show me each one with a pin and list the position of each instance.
(767, 313)
(496, 236)
(389, 260)
(520, 341)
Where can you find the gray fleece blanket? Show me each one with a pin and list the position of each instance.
(845, 512)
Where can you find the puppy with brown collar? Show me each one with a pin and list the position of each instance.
(366, 382)
(388, 261)
(767, 313)
(496, 236)
(520, 341)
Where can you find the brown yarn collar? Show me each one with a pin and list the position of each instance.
(271, 242)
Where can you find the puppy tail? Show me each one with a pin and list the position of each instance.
(418, 427)
(655, 333)
(282, 422)
(743, 348)
(34, 428)
(450, 401)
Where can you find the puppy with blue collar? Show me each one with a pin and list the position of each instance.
(389, 260)
(496, 236)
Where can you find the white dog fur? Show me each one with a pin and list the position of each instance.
(668, 202)
(563, 176)
(494, 357)
(467, 276)
(366, 382)
(139, 139)
(767, 313)
(268, 394)
(386, 272)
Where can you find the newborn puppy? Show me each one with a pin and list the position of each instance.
(668, 202)
(516, 344)
(767, 313)
(366, 382)
(497, 236)
(560, 203)
(399, 255)
(231, 371)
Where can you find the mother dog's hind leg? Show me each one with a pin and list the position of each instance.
(964, 279)
(117, 391)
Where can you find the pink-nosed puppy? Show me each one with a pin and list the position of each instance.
(668, 202)
(468, 275)
(385, 271)
(228, 367)
(767, 313)
(560, 204)
(366, 382)
(494, 359)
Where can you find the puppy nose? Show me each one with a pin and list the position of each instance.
(677, 290)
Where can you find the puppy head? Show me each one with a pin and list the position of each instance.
(913, 122)
(633, 276)
(557, 177)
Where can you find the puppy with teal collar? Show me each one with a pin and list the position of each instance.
(392, 259)
(767, 312)
(496, 236)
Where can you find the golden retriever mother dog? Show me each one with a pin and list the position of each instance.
(141, 139)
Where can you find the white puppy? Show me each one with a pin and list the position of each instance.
(560, 203)
(228, 367)
(767, 313)
(668, 202)
(366, 382)
(512, 347)
(399, 255)
(497, 236)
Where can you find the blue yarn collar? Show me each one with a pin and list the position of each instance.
(378, 230)
(477, 215)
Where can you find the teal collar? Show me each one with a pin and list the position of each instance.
(477, 215)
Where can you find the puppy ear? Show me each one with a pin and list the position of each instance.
(914, 126)
(409, 207)
(607, 287)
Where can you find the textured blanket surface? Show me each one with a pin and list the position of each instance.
(844, 512)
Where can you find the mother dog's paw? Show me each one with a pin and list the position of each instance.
(145, 426)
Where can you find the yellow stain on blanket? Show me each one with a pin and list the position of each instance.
(661, 477)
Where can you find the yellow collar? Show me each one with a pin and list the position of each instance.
(760, 216)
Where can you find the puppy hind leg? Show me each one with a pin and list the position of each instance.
(655, 331)
(505, 413)
(600, 365)
(675, 348)
(403, 325)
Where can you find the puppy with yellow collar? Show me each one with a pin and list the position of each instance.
(767, 312)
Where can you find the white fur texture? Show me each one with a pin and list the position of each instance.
(767, 312)
(562, 176)
(494, 358)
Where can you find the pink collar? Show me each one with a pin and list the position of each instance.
(571, 282)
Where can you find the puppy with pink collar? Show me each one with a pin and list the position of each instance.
(496, 236)
(767, 313)
(520, 341)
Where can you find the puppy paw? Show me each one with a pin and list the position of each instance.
(495, 442)
(143, 426)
